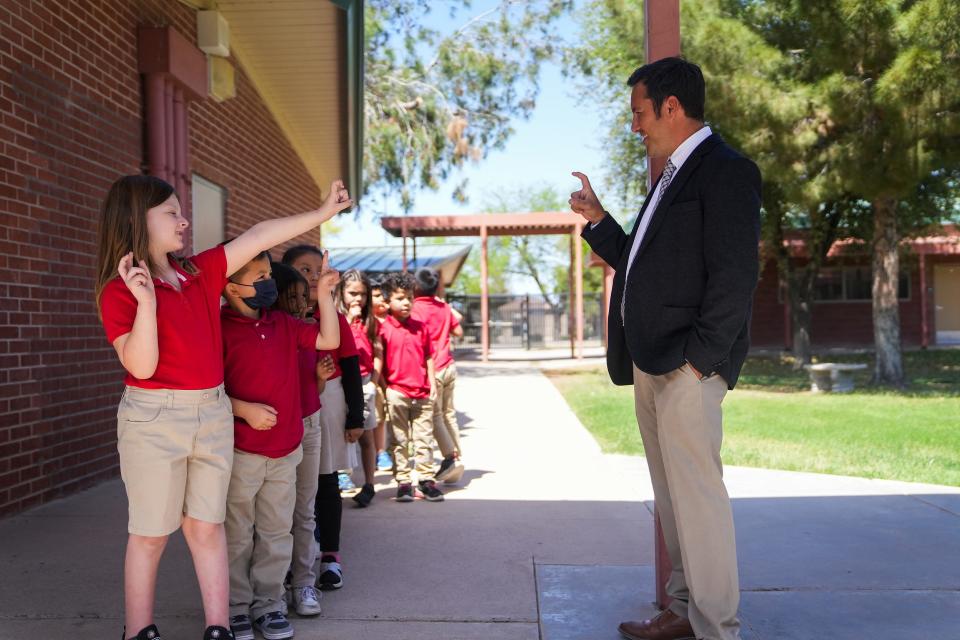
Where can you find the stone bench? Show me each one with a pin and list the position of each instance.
(832, 377)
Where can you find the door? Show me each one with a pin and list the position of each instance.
(946, 298)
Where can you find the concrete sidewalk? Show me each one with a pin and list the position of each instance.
(547, 538)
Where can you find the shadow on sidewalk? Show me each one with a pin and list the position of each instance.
(834, 567)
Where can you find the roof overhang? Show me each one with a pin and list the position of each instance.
(306, 62)
(495, 224)
(447, 259)
(945, 242)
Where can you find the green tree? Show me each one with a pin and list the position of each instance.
(436, 100)
(850, 107)
(544, 259)
(468, 282)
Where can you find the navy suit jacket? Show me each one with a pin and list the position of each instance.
(690, 290)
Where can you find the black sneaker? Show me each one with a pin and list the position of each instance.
(274, 626)
(331, 573)
(405, 492)
(365, 496)
(147, 633)
(218, 633)
(241, 627)
(445, 467)
(451, 470)
(430, 492)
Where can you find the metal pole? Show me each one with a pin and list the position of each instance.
(403, 232)
(924, 318)
(484, 298)
(526, 321)
(570, 311)
(661, 40)
(578, 286)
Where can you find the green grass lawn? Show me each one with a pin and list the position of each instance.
(771, 420)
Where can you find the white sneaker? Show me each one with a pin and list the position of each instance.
(306, 601)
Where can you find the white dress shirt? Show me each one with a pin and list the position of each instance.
(678, 157)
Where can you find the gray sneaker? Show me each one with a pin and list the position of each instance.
(242, 627)
(274, 626)
(306, 601)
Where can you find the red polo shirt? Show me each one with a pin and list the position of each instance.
(406, 349)
(188, 324)
(440, 321)
(261, 365)
(347, 346)
(309, 391)
(364, 347)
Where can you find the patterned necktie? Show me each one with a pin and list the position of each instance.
(665, 179)
(668, 172)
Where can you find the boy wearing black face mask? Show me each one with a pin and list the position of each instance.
(261, 376)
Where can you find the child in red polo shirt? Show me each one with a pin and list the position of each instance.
(292, 298)
(262, 368)
(379, 309)
(441, 323)
(341, 423)
(175, 429)
(410, 377)
(353, 300)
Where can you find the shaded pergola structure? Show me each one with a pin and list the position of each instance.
(501, 224)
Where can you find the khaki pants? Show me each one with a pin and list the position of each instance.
(445, 428)
(260, 503)
(681, 425)
(411, 423)
(304, 522)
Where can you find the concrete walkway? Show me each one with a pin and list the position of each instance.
(546, 539)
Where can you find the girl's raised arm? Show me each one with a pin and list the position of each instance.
(329, 337)
(270, 233)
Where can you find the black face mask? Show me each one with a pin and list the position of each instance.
(266, 293)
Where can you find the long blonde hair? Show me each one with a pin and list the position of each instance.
(123, 226)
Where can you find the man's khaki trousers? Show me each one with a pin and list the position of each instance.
(681, 425)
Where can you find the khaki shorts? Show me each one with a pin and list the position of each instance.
(176, 452)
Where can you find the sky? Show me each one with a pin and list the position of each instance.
(563, 134)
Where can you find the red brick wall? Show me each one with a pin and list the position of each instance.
(837, 324)
(71, 121)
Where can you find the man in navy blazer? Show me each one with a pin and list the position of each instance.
(678, 330)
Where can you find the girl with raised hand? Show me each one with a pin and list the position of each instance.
(175, 427)
(341, 424)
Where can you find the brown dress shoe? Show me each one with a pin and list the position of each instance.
(666, 626)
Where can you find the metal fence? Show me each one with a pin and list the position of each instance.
(528, 321)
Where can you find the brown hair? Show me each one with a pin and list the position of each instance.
(370, 324)
(286, 277)
(123, 226)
